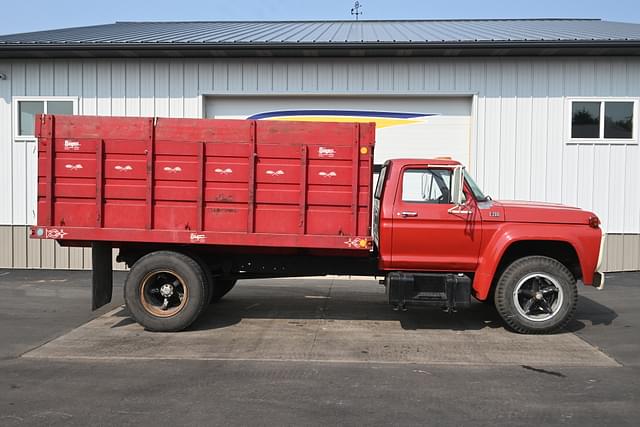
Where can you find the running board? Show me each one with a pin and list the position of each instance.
(447, 290)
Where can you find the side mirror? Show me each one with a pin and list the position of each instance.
(457, 186)
(457, 192)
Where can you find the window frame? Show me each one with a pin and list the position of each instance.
(601, 139)
(424, 202)
(16, 111)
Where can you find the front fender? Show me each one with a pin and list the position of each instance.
(584, 240)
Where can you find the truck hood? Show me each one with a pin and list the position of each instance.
(542, 212)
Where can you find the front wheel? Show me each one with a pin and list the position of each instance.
(536, 295)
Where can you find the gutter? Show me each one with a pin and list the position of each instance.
(462, 48)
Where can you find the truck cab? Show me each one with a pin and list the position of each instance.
(434, 225)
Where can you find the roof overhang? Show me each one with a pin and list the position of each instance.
(238, 50)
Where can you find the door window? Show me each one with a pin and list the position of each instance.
(427, 186)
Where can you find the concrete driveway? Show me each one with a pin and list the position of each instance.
(310, 351)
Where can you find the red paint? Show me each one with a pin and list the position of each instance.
(269, 185)
(435, 240)
(215, 182)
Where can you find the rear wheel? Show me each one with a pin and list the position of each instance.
(536, 295)
(220, 288)
(165, 291)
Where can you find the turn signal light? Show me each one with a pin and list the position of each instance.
(594, 222)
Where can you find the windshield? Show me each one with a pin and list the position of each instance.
(477, 192)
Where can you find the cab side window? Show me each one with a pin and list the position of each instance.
(426, 186)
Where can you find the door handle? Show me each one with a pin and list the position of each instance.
(406, 214)
(460, 210)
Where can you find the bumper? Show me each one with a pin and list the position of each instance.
(598, 276)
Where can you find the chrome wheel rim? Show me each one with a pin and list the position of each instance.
(538, 297)
(163, 293)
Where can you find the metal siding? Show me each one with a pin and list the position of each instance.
(147, 89)
(132, 88)
(191, 107)
(523, 129)
(519, 124)
(176, 89)
(6, 246)
(477, 83)
(161, 90)
(278, 78)
(508, 120)
(234, 76)
(249, 76)
(89, 99)
(555, 143)
(264, 79)
(118, 87)
(47, 254)
(6, 149)
(539, 124)
(492, 126)
(18, 169)
(220, 72)
(19, 242)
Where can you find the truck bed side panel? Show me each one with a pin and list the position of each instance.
(216, 182)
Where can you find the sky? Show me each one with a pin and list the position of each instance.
(33, 15)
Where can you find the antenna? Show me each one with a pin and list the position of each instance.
(355, 10)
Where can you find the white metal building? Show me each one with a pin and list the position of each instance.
(538, 109)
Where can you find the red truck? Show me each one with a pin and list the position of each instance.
(194, 205)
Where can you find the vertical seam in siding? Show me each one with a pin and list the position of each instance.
(272, 74)
(68, 81)
(155, 82)
(110, 101)
(515, 142)
(546, 140)
(11, 152)
(139, 87)
(562, 153)
(183, 86)
(531, 73)
(499, 152)
(484, 131)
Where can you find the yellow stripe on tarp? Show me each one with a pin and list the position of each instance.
(380, 122)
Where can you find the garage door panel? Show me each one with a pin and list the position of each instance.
(406, 126)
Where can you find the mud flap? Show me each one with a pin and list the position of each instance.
(102, 276)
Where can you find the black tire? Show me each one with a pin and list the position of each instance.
(143, 291)
(546, 298)
(221, 287)
(208, 275)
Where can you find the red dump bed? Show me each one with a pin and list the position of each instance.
(211, 182)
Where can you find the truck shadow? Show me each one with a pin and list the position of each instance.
(235, 308)
(300, 303)
(590, 313)
(232, 311)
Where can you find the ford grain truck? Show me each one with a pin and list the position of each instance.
(194, 205)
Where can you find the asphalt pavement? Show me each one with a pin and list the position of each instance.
(257, 358)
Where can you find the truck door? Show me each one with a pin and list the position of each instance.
(428, 234)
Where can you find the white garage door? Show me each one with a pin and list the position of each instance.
(410, 127)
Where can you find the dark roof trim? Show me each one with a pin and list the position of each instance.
(330, 38)
(175, 50)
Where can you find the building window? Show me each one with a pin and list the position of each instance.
(26, 109)
(607, 121)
